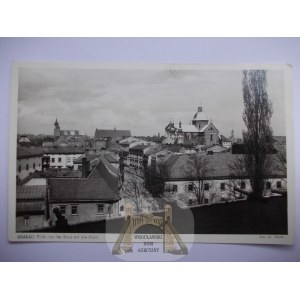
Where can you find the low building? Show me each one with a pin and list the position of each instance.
(31, 207)
(225, 142)
(218, 180)
(93, 197)
(29, 160)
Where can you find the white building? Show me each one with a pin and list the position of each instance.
(63, 158)
(219, 181)
(29, 160)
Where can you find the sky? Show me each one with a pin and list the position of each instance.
(141, 100)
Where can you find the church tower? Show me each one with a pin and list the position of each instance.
(56, 129)
(200, 119)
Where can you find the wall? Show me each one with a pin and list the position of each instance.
(86, 212)
(35, 222)
(66, 160)
(30, 161)
(215, 193)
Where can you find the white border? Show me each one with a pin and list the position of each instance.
(203, 238)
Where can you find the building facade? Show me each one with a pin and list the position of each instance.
(91, 198)
(29, 160)
(200, 131)
(218, 182)
(62, 158)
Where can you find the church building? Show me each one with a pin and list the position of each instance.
(200, 131)
(58, 132)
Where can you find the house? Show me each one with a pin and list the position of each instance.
(136, 157)
(29, 160)
(62, 158)
(31, 207)
(219, 179)
(93, 197)
(225, 142)
(200, 131)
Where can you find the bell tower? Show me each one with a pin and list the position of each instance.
(56, 128)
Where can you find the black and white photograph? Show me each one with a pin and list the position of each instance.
(201, 152)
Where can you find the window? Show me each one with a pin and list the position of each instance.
(20, 168)
(243, 185)
(175, 188)
(59, 159)
(168, 188)
(74, 210)
(33, 166)
(278, 184)
(222, 186)
(62, 209)
(211, 137)
(27, 167)
(190, 187)
(100, 209)
(53, 159)
(206, 187)
(268, 185)
(26, 221)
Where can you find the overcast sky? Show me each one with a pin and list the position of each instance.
(143, 101)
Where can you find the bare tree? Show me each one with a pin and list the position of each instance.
(134, 188)
(198, 168)
(258, 136)
(238, 173)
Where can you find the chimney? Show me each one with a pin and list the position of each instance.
(85, 167)
(199, 108)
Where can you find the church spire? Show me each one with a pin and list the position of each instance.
(56, 123)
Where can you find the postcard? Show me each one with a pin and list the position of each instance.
(151, 154)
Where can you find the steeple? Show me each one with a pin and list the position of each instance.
(56, 128)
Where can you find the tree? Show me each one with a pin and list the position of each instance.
(198, 168)
(238, 173)
(258, 136)
(134, 188)
(156, 176)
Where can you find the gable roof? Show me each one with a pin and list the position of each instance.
(111, 133)
(209, 126)
(26, 152)
(100, 185)
(189, 128)
(218, 166)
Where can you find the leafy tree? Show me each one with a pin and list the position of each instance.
(258, 136)
(156, 176)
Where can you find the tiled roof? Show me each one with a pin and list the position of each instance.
(218, 165)
(26, 192)
(29, 207)
(139, 147)
(189, 128)
(64, 150)
(26, 152)
(111, 133)
(100, 185)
